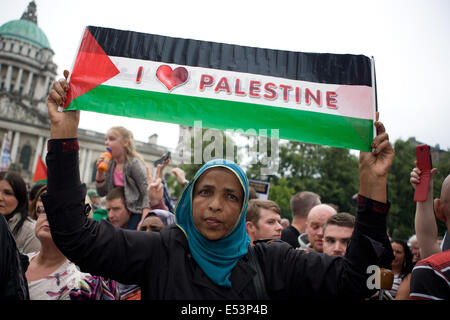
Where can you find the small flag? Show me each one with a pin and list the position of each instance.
(5, 156)
(40, 174)
(316, 98)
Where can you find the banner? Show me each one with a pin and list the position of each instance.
(326, 99)
(5, 156)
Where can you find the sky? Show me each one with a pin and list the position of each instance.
(410, 41)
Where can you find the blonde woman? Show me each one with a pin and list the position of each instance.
(126, 169)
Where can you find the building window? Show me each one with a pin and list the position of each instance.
(25, 157)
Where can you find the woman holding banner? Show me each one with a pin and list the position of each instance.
(206, 255)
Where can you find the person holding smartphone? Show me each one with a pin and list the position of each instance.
(429, 278)
(425, 221)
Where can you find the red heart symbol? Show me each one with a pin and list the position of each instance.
(172, 78)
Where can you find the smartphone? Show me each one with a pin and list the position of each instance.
(423, 156)
(162, 159)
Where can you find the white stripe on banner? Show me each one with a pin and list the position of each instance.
(341, 100)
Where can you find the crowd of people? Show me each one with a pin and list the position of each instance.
(125, 240)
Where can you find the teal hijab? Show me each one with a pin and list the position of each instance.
(215, 257)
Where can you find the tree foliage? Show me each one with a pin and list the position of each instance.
(330, 172)
(400, 192)
(281, 193)
(443, 170)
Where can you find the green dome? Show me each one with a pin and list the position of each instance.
(25, 30)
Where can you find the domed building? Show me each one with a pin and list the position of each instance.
(27, 68)
(27, 72)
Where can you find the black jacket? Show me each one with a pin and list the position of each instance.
(290, 235)
(13, 265)
(161, 263)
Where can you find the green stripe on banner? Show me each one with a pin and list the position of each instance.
(305, 126)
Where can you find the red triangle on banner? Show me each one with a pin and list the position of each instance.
(92, 67)
(41, 171)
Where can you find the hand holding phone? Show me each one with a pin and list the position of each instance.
(162, 159)
(424, 164)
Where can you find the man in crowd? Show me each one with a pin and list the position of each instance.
(337, 232)
(263, 220)
(285, 223)
(301, 204)
(414, 246)
(118, 213)
(314, 227)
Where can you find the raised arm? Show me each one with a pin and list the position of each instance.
(425, 221)
(63, 125)
(374, 166)
(97, 247)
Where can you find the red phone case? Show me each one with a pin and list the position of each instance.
(424, 164)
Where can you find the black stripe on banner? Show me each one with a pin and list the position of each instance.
(315, 67)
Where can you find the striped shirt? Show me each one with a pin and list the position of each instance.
(398, 278)
(430, 278)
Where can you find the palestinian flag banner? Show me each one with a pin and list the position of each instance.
(40, 174)
(326, 99)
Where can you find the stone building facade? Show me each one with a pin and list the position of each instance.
(27, 72)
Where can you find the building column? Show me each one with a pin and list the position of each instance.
(37, 88)
(46, 83)
(87, 168)
(18, 80)
(8, 78)
(82, 161)
(38, 152)
(15, 146)
(26, 89)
